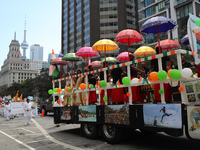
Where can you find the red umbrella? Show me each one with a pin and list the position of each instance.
(59, 61)
(124, 56)
(168, 44)
(96, 64)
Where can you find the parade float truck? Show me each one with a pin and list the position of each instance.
(110, 121)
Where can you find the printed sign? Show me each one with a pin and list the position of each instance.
(87, 113)
(17, 107)
(163, 116)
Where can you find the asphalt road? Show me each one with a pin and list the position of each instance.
(42, 134)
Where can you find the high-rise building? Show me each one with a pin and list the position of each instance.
(84, 22)
(177, 10)
(36, 52)
(24, 44)
(15, 69)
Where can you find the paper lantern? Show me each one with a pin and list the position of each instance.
(59, 90)
(126, 81)
(50, 91)
(153, 76)
(103, 83)
(162, 75)
(181, 89)
(186, 73)
(175, 74)
(82, 86)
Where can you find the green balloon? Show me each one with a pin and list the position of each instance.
(161, 91)
(197, 22)
(162, 75)
(55, 90)
(52, 102)
(91, 86)
(103, 83)
(175, 74)
(50, 91)
(70, 89)
(105, 98)
(70, 98)
(126, 81)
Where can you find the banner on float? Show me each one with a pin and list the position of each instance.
(17, 108)
(192, 39)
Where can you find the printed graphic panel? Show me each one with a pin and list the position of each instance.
(87, 113)
(66, 113)
(117, 114)
(163, 116)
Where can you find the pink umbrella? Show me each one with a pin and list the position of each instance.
(96, 64)
(59, 61)
(124, 56)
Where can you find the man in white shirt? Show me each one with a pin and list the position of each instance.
(35, 110)
(27, 112)
(7, 108)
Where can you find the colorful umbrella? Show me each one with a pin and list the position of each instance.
(86, 52)
(168, 45)
(144, 51)
(59, 61)
(71, 57)
(124, 56)
(105, 45)
(156, 25)
(110, 60)
(185, 40)
(96, 64)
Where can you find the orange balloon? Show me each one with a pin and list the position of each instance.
(168, 73)
(85, 99)
(128, 94)
(99, 83)
(196, 74)
(67, 89)
(82, 86)
(181, 89)
(58, 101)
(153, 76)
(59, 90)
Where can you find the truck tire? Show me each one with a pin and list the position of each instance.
(111, 134)
(91, 131)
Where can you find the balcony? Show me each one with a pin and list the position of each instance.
(180, 2)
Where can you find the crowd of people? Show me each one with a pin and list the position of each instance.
(119, 95)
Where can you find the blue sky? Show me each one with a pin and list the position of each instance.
(43, 25)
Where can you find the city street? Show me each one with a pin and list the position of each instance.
(43, 134)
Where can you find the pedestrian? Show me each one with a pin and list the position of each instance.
(7, 107)
(56, 105)
(35, 110)
(27, 112)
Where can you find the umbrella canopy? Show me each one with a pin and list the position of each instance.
(144, 51)
(110, 60)
(185, 40)
(86, 52)
(96, 64)
(124, 56)
(59, 61)
(105, 45)
(168, 45)
(129, 37)
(71, 57)
(158, 24)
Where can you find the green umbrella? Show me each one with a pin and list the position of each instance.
(71, 57)
(110, 60)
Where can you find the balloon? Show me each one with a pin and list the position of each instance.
(168, 73)
(153, 76)
(126, 81)
(103, 83)
(99, 91)
(67, 89)
(55, 90)
(128, 94)
(197, 22)
(50, 91)
(59, 90)
(134, 80)
(58, 101)
(70, 98)
(162, 75)
(70, 89)
(99, 83)
(175, 74)
(82, 86)
(91, 86)
(186, 73)
(181, 89)
(161, 91)
(196, 29)
(52, 102)
(85, 98)
(105, 98)
(174, 83)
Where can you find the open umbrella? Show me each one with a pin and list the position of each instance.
(185, 40)
(144, 51)
(105, 45)
(129, 37)
(124, 56)
(156, 25)
(110, 60)
(72, 58)
(168, 45)
(96, 64)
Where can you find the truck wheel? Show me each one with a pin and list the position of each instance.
(111, 134)
(91, 131)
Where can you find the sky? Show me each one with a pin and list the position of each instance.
(43, 25)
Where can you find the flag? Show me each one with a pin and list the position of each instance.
(53, 70)
(60, 55)
(21, 98)
(16, 96)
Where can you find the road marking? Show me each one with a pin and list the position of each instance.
(17, 141)
(28, 130)
(36, 141)
(52, 139)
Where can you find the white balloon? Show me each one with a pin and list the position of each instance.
(174, 83)
(186, 73)
(194, 76)
(134, 80)
(196, 29)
